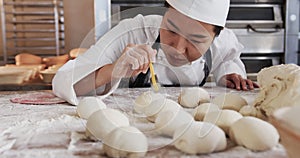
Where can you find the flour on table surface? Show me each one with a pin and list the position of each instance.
(56, 131)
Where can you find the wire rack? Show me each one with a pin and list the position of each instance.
(32, 26)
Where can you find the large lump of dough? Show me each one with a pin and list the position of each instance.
(279, 87)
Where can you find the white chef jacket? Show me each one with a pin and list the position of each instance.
(225, 52)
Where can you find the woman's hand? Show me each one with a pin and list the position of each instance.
(134, 60)
(237, 82)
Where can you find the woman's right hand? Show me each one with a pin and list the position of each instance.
(134, 60)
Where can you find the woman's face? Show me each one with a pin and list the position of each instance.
(183, 39)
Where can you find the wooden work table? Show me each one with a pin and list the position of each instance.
(56, 130)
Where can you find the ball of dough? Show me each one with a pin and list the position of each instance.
(168, 121)
(200, 111)
(254, 134)
(192, 97)
(223, 118)
(101, 122)
(145, 99)
(199, 138)
(159, 106)
(155, 106)
(89, 105)
(125, 142)
(230, 101)
(248, 110)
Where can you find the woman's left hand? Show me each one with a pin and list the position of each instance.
(237, 82)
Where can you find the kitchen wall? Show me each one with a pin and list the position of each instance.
(299, 38)
(79, 21)
(1, 46)
(85, 22)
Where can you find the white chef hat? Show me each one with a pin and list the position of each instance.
(209, 11)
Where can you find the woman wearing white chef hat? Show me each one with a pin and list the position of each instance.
(185, 45)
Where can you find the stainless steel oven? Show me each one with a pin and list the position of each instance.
(122, 9)
(260, 28)
(268, 29)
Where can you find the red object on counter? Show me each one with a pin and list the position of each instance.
(38, 98)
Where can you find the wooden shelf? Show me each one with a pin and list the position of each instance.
(33, 48)
(30, 22)
(32, 39)
(33, 26)
(33, 31)
(31, 13)
(32, 4)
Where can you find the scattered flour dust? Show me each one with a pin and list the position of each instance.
(50, 133)
(65, 137)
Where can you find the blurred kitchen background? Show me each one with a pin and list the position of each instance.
(269, 29)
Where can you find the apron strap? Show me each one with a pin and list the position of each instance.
(142, 79)
(207, 66)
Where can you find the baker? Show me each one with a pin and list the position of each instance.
(186, 44)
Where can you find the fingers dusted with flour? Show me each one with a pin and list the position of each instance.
(134, 60)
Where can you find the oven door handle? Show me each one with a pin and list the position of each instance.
(249, 27)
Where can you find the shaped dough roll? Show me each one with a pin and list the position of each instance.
(168, 121)
(254, 134)
(200, 111)
(192, 97)
(199, 138)
(223, 118)
(249, 110)
(125, 142)
(159, 106)
(102, 122)
(145, 99)
(230, 101)
(88, 105)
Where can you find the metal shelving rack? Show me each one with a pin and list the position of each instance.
(32, 26)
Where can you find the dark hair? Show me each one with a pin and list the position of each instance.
(167, 5)
(217, 29)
